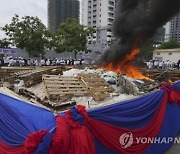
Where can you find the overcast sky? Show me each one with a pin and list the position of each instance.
(8, 8)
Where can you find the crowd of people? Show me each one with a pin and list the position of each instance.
(162, 64)
(19, 61)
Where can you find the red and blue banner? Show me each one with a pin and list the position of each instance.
(118, 128)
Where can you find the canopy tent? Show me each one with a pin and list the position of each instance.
(25, 128)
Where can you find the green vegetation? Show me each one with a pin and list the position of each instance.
(4, 43)
(169, 45)
(72, 37)
(28, 33)
(31, 34)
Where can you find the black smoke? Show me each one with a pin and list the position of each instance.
(137, 19)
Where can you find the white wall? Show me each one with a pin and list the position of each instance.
(165, 55)
(84, 12)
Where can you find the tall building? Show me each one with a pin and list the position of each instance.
(175, 28)
(99, 14)
(167, 31)
(145, 8)
(60, 10)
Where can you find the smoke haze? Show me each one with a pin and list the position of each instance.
(137, 19)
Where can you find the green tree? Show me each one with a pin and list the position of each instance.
(4, 43)
(28, 33)
(169, 45)
(71, 36)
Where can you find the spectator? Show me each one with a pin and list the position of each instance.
(178, 64)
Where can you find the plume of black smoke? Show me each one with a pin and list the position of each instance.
(137, 19)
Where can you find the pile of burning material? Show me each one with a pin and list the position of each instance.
(136, 87)
(163, 75)
(133, 27)
(157, 78)
(132, 79)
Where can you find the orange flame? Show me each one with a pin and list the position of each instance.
(170, 81)
(125, 67)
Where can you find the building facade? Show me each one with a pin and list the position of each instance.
(175, 28)
(99, 14)
(60, 10)
(172, 55)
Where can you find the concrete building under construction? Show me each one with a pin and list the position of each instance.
(60, 10)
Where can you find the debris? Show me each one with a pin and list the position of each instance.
(57, 89)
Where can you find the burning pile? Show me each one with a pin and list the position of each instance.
(136, 22)
(125, 66)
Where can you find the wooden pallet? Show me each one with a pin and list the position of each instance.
(97, 86)
(58, 86)
(36, 77)
(61, 104)
(83, 84)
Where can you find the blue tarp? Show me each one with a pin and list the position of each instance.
(18, 119)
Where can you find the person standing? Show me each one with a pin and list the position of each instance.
(178, 64)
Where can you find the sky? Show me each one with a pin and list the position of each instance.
(34, 8)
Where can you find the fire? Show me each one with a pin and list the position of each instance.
(125, 67)
(169, 81)
(128, 69)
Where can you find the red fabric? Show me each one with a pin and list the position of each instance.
(82, 141)
(67, 139)
(33, 141)
(61, 140)
(109, 135)
(73, 138)
(29, 146)
(5, 149)
(174, 95)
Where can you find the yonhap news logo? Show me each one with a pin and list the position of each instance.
(127, 139)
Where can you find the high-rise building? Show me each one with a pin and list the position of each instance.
(60, 10)
(175, 28)
(99, 14)
(145, 8)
